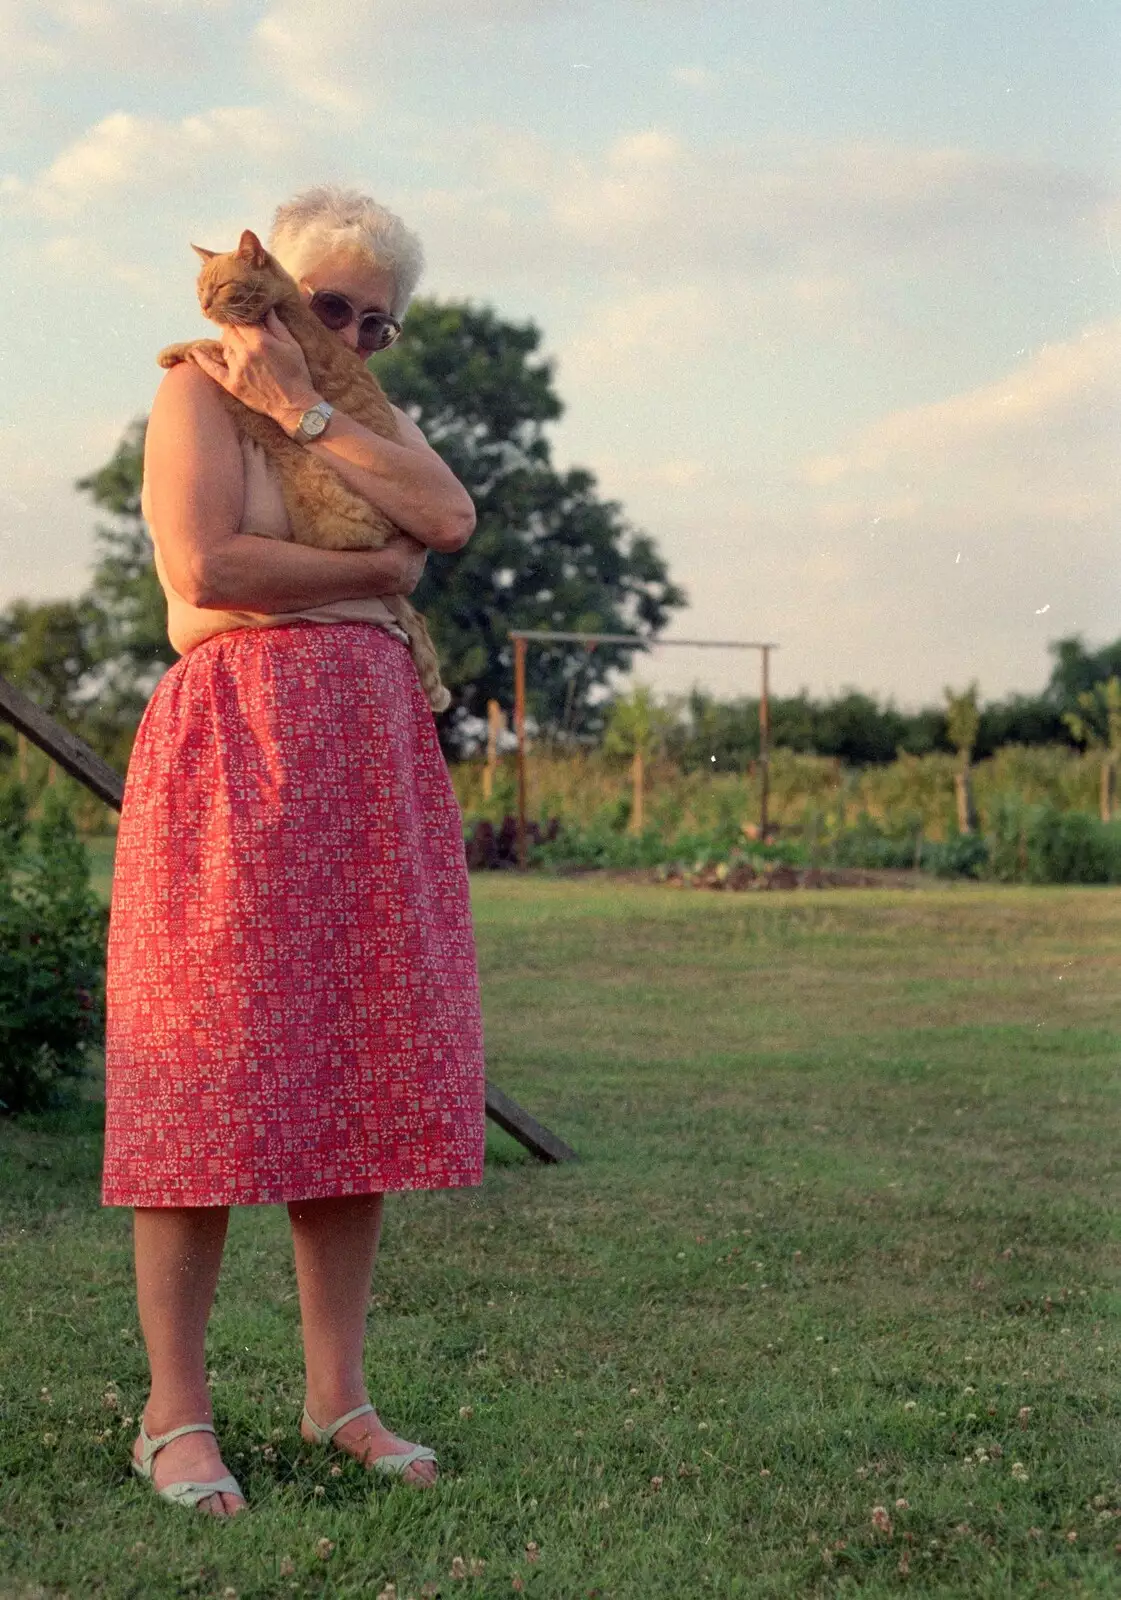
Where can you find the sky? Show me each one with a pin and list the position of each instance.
(831, 286)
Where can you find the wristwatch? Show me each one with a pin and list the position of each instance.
(313, 422)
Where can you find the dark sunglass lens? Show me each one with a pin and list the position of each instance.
(376, 333)
(332, 310)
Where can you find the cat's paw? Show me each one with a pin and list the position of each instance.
(171, 355)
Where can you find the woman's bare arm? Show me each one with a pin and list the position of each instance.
(250, 573)
(195, 478)
(408, 482)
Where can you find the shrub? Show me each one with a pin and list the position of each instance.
(962, 855)
(1010, 823)
(884, 816)
(1071, 847)
(601, 845)
(1041, 844)
(53, 932)
(868, 843)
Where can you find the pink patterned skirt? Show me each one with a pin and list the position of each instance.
(292, 999)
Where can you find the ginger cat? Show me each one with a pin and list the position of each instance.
(241, 286)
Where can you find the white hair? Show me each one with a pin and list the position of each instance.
(320, 221)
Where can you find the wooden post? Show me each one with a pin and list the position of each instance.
(495, 725)
(963, 790)
(764, 745)
(638, 784)
(512, 1119)
(519, 724)
(21, 741)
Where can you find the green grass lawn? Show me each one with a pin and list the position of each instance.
(842, 1237)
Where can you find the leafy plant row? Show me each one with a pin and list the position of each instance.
(1025, 844)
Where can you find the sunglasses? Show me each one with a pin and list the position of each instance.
(376, 329)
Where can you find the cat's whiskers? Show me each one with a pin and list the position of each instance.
(242, 308)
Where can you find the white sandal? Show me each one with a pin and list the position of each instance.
(186, 1493)
(394, 1465)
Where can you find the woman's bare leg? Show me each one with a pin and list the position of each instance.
(178, 1252)
(336, 1242)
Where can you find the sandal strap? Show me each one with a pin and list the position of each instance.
(400, 1463)
(150, 1446)
(325, 1435)
(189, 1493)
(392, 1464)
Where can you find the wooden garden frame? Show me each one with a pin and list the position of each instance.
(521, 637)
(76, 757)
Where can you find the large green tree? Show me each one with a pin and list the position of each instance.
(638, 727)
(1097, 725)
(963, 722)
(1078, 670)
(547, 551)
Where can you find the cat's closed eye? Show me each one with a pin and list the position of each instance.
(236, 300)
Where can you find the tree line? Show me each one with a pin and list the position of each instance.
(861, 730)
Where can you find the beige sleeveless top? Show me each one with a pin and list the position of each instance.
(264, 513)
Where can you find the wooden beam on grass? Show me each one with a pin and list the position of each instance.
(72, 754)
(536, 1138)
(81, 762)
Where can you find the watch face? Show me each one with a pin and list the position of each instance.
(313, 423)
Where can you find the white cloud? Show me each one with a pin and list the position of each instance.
(345, 57)
(49, 36)
(1045, 433)
(817, 224)
(631, 195)
(653, 202)
(76, 259)
(960, 535)
(944, 542)
(342, 58)
(325, 65)
(639, 338)
(125, 155)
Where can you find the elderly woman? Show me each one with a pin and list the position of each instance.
(292, 995)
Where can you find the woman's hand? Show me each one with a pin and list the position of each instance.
(264, 368)
(410, 557)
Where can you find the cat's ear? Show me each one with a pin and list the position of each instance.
(200, 250)
(251, 249)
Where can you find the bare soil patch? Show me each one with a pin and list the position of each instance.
(746, 879)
